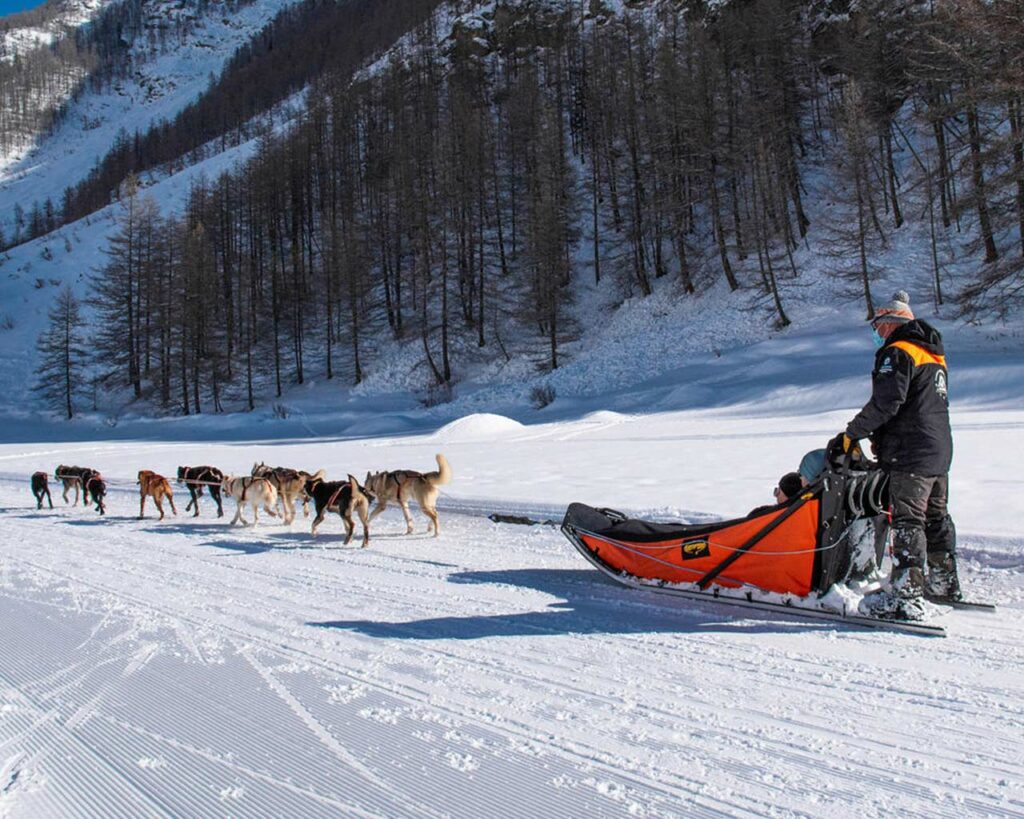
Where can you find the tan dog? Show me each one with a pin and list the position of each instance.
(255, 492)
(156, 487)
(404, 484)
(289, 484)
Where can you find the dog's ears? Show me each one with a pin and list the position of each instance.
(352, 481)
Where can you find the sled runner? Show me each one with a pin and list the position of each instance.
(784, 558)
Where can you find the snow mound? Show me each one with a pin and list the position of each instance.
(477, 427)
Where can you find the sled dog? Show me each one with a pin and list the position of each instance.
(71, 477)
(290, 485)
(41, 489)
(156, 487)
(255, 492)
(343, 497)
(404, 484)
(195, 479)
(93, 485)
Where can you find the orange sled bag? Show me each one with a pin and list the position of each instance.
(794, 549)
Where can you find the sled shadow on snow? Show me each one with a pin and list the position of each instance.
(590, 605)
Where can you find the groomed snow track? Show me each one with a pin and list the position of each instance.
(187, 668)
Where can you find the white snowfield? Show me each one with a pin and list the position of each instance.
(187, 668)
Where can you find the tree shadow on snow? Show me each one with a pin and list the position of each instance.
(590, 604)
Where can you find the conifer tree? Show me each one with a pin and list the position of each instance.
(62, 355)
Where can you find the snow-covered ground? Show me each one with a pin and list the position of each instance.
(185, 667)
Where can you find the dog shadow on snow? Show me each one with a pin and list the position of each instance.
(588, 604)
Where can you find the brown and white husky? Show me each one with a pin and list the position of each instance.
(289, 484)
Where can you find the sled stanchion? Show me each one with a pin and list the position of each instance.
(706, 580)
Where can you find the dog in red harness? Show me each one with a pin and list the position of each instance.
(345, 498)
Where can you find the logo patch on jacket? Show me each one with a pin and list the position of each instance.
(941, 386)
(696, 548)
(886, 366)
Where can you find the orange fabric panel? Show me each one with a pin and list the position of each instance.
(920, 355)
(783, 561)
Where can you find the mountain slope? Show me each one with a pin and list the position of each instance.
(156, 84)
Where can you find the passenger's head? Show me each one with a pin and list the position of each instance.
(788, 488)
(811, 465)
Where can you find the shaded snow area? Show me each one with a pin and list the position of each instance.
(189, 668)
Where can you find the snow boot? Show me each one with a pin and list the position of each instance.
(903, 600)
(943, 583)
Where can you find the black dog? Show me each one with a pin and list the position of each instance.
(344, 497)
(41, 489)
(195, 478)
(93, 485)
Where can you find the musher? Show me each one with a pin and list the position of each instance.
(907, 420)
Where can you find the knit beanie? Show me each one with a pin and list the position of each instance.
(897, 311)
(790, 484)
(812, 464)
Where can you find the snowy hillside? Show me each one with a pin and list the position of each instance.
(61, 17)
(159, 83)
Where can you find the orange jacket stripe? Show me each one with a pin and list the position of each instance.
(919, 354)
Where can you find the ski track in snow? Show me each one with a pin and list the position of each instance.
(485, 673)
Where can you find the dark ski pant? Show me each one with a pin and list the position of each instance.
(923, 531)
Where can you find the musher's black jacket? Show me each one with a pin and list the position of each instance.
(907, 417)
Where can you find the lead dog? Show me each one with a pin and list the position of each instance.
(156, 487)
(290, 484)
(253, 491)
(41, 489)
(405, 484)
(195, 478)
(343, 497)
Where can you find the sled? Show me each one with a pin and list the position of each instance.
(781, 558)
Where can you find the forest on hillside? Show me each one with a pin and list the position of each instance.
(39, 79)
(452, 195)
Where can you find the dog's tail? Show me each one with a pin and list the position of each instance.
(443, 474)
